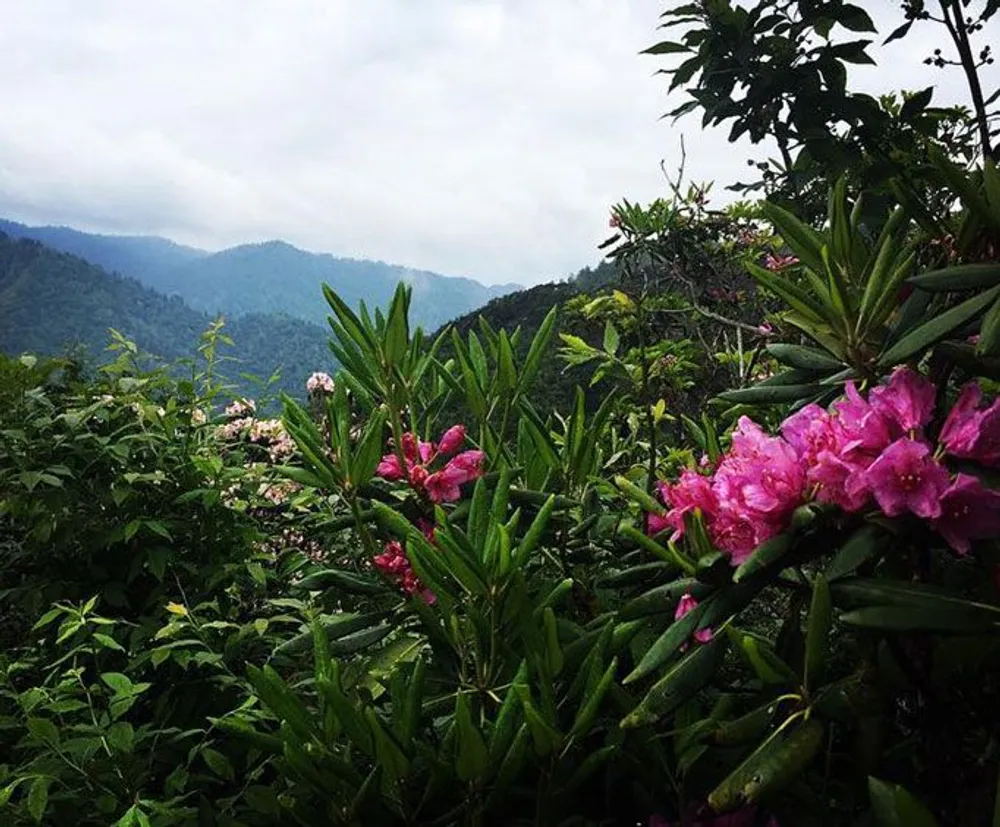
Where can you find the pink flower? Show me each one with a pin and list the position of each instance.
(390, 469)
(972, 431)
(739, 535)
(319, 383)
(655, 523)
(859, 427)
(452, 440)
(775, 261)
(907, 401)
(810, 431)
(969, 511)
(693, 492)
(395, 565)
(686, 604)
(841, 482)
(444, 486)
(241, 408)
(469, 464)
(761, 475)
(907, 478)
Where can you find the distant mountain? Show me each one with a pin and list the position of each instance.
(273, 277)
(145, 258)
(51, 302)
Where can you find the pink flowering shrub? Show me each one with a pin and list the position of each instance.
(860, 454)
(443, 484)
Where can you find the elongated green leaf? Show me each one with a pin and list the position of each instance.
(895, 807)
(667, 644)
(472, 757)
(765, 556)
(936, 329)
(805, 358)
(818, 630)
(770, 767)
(957, 278)
(794, 296)
(804, 241)
(989, 340)
(690, 673)
(862, 546)
(769, 394)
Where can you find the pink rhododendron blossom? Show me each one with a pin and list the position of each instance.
(907, 478)
(395, 565)
(761, 477)
(452, 440)
(738, 535)
(440, 485)
(972, 431)
(860, 428)
(841, 482)
(969, 511)
(655, 523)
(319, 383)
(693, 492)
(686, 604)
(906, 402)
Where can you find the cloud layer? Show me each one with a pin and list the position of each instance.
(472, 137)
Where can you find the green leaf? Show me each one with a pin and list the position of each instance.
(121, 736)
(895, 807)
(806, 358)
(611, 338)
(803, 240)
(765, 556)
(665, 48)
(818, 630)
(38, 797)
(989, 341)
(592, 702)
(218, 763)
(957, 278)
(472, 757)
(929, 333)
(771, 766)
(538, 351)
(667, 644)
(770, 394)
(915, 619)
(342, 581)
(686, 677)
(863, 545)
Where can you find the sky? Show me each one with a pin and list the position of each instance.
(482, 138)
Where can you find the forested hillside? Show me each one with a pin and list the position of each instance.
(52, 303)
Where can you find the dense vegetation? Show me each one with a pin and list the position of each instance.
(746, 576)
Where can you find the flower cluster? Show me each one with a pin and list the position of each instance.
(271, 434)
(319, 383)
(442, 485)
(395, 565)
(859, 453)
(241, 408)
(776, 262)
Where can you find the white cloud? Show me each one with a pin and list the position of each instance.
(473, 137)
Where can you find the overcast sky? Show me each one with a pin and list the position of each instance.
(485, 138)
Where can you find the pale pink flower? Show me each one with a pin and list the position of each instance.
(775, 261)
(907, 478)
(241, 408)
(969, 511)
(320, 382)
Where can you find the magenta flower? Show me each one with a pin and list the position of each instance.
(775, 261)
(686, 604)
(907, 401)
(443, 484)
(452, 440)
(395, 565)
(841, 482)
(859, 427)
(693, 492)
(739, 534)
(655, 523)
(972, 431)
(907, 478)
(969, 511)
(761, 478)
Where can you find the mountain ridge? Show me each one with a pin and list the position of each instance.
(264, 277)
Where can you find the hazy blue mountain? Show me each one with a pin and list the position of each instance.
(52, 302)
(143, 257)
(272, 277)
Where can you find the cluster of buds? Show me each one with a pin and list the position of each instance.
(440, 486)
(320, 383)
